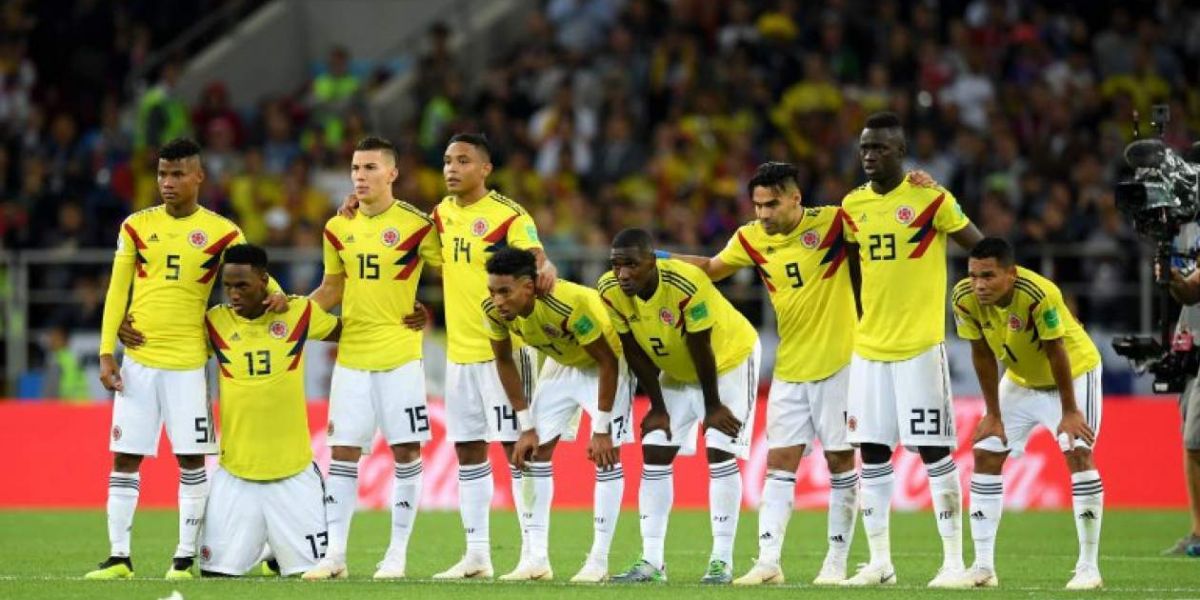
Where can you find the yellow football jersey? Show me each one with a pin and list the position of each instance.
(809, 286)
(685, 300)
(264, 417)
(1015, 332)
(470, 234)
(382, 257)
(171, 265)
(902, 246)
(561, 324)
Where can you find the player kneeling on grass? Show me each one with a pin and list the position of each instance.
(267, 488)
(697, 358)
(583, 370)
(1052, 379)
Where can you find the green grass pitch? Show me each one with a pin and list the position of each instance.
(45, 553)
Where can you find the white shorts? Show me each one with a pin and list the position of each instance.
(904, 401)
(738, 388)
(798, 412)
(1022, 409)
(393, 401)
(242, 515)
(476, 407)
(562, 391)
(156, 397)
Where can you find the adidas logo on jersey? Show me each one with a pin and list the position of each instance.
(153, 237)
(350, 239)
(978, 515)
(235, 337)
(863, 218)
(1088, 514)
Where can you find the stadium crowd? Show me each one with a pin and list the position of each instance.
(609, 113)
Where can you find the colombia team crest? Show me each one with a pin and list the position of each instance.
(905, 214)
(197, 238)
(1014, 323)
(278, 329)
(389, 237)
(809, 239)
(479, 227)
(666, 316)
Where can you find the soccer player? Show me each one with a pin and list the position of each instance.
(372, 267)
(583, 369)
(697, 358)
(1052, 378)
(899, 390)
(267, 488)
(799, 254)
(165, 265)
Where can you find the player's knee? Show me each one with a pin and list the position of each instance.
(406, 453)
(875, 454)
(785, 459)
(346, 453)
(718, 456)
(840, 461)
(475, 453)
(126, 463)
(932, 454)
(658, 455)
(1079, 459)
(988, 462)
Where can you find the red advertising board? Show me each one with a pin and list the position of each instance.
(58, 457)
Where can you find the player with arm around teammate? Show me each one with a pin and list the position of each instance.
(267, 488)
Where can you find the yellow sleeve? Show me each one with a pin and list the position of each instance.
(1050, 317)
(333, 261)
(493, 323)
(950, 217)
(734, 254)
(966, 324)
(698, 314)
(116, 302)
(584, 324)
(320, 323)
(523, 234)
(430, 249)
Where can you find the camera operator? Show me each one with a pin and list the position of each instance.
(1184, 286)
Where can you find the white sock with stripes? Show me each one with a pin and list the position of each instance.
(655, 497)
(342, 488)
(122, 502)
(610, 487)
(877, 483)
(724, 506)
(521, 503)
(537, 521)
(475, 489)
(193, 495)
(406, 499)
(1088, 501)
(779, 493)
(946, 493)
(843, 511)
(987, 506)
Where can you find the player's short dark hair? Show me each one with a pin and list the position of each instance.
(178, 149)
(374, 142)
(478, 140)
(774, 176)
(883, 120)
(994, 247)
(634, 238)
(246, 254)
(512, 261)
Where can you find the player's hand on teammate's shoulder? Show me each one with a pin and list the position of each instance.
(524, 448)
(349, 207)
(989, 426)
(546, 276)
(276, 302)
(722, 419)
(129, 335)
(656, 418)
(110, 374)
(923, 179)
(418, 318)
(602, 452)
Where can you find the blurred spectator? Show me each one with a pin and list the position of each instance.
(64, 377)
(161, 115)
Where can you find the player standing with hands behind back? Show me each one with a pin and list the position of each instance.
(899, 391)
